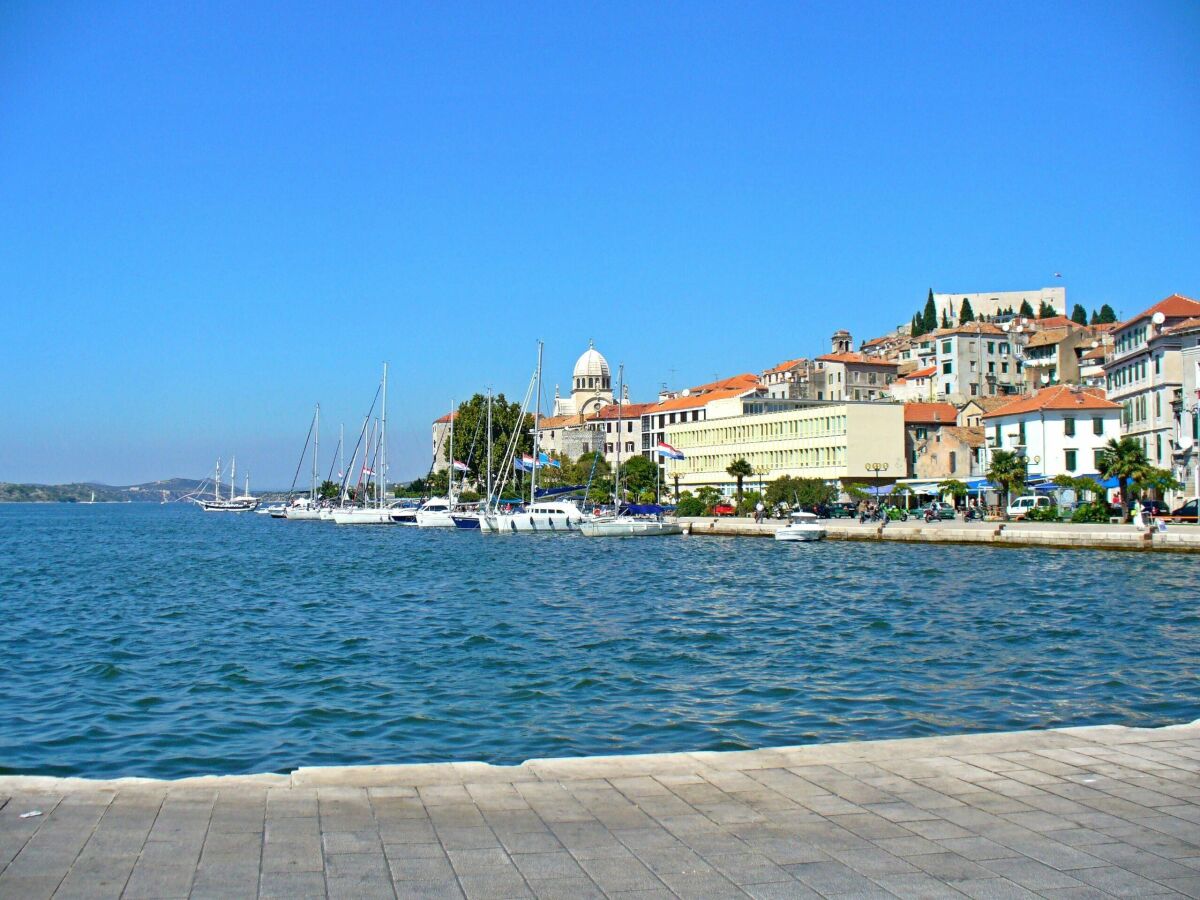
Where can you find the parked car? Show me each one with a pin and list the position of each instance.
(843, 510)
(723, 509)
(1155, 508)
(1187, 512)
(1021, 507)
(940, 510)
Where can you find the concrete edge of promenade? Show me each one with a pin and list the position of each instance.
(411, 775)
(1176, 539)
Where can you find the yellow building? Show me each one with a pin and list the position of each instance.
(847, 442)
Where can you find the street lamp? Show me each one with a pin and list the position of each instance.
(876, 468)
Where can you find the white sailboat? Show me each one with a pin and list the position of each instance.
(435, 512)
(632, 521)
(244, 503)
(306, 509)
(379, 514)
(537, 516)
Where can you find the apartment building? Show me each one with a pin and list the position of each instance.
(1060, 430)
(847, 442)
(846, 375)
(978, 359)
(1146, 371)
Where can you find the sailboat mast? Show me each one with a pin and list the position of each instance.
(537, 421)
(450, 472)
(217, 481)
(312, 494)
(620, 415)
(232, 476)
(381, 480)
(489, 447)
(342, 470)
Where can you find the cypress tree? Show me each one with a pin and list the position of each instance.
(1079, 315)
(1026, 310)
(929, 320)
(945, 320)
(1107, 316)
(1045, 311)
(966, 314)
(1095, 318)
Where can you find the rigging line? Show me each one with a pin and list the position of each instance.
(361, 434)
(303, 453)
(333, 462)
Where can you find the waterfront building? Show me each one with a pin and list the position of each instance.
(790, 380)
(690, 405)
(1185, 408)
(924, 424)
(971, 413)
(841, 442)
(1146, 370)
(614, 430)
(441, 427)
(995, 304)
(1060, 430)
(844, 374)
(977, 359)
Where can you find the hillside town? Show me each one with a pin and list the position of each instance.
(933, 402)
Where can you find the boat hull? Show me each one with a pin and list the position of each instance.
(467, 522)
(228, 505)
(363, 517)
(434, 518)
(800, 533)
(298, 514)
(514, 523)
(627, 528)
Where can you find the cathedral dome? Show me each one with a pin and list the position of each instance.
(592, 365)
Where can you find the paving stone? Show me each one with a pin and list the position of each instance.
(159, 881)
(831, 877)
(613, 875)
(291, 885)
(429, 890)
(557, 864)
(497, 885)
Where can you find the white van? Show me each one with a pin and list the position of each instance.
(1021, 507)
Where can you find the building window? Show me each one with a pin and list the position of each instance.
(628, 426)
(953, 462)
(991, 368)
(1069, 426)
(1070, 460)
(974, 389)
(1097, 425)
(1003, 368)
(1021, 434)
(947, 367)
(921, 434)
(1097, 459)
(945, 346)
(1158, 447)
(1158, 365)
(608, 427)
(996, 435)
(608, 448)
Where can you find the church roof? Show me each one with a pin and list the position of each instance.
(591, 364)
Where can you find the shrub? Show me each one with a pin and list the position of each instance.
(690, 506)
(1090, 513)
(1042, 514)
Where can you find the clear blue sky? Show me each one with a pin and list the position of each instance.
(213, 215)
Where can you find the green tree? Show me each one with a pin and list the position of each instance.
(1079, 315)
(709, 497)
(1008, 470)
(1106, 316)
(638, 474)
(1160, 481)
(1095, 318)
(965, 313)
(739, 469)
(945, 319)
(1125, 460)
(955, 488)
(328, 490)
(1025, 310)
(799, 493)
(689, 505)
(918, 325)
(929, 319)
(857, 492)
(470, 438)
(1046, 311)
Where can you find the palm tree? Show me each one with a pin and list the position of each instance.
(1007, 470)
(1125, 460)
(740, 469)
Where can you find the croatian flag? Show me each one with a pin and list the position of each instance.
(459, 465)
(665, 449)
(524, 464)
(545, 460)
(366, 470)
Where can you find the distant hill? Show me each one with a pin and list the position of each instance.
(150, 492)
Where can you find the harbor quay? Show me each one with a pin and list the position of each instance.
(1097, 811)
(1181, 539)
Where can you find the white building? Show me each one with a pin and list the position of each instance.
(1060, 430)
(977, 359)
(997, 303)
(1186, 408)
(1146, 370)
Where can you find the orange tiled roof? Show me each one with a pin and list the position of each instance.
(620, 411)
(784, 366)
(969, 328)
(971, 435)
(1056, 322)
(856, 359)
(1048, 337)
(559, 421)
(987, 403)
(930, 413)
(1061, 396)
(745, 380)
(1187, 324)
(445, 420)
(1176, 306)
(695, 401)
(920, 373)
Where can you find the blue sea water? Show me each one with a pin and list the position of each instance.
(163, 641)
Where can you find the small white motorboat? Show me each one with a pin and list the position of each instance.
(801, 526)
(633, 521)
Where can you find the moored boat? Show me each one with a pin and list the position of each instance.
(634, 521)
(801, 526)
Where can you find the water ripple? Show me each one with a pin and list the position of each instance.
(146, 640)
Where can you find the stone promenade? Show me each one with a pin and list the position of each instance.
(1086, 812)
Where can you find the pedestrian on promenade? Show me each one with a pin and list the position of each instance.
(758, 512)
